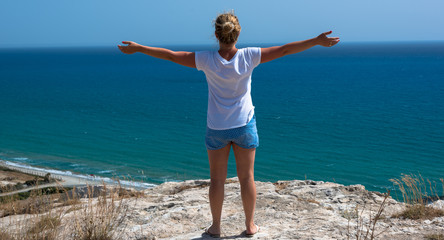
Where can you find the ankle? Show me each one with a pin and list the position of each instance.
(250, 225)
(215, 229)
(252, 229)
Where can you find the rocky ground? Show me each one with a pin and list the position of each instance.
(285, 210)
(299, 209)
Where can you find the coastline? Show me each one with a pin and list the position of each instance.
(70, 179)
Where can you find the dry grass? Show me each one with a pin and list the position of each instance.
(416, 190)
(44, 216)
(4, 235)
(416, 193)
(434, 236)
(419, 211)
(100, 217)
(37, 201)
(33, 218)
(45, 227)
(363, 229)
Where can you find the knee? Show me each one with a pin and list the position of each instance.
(217, 181)
(246, 178)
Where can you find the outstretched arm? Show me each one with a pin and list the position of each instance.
(271, 53)
(182, 58)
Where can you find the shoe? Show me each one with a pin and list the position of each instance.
(252, 235)
(213, 235)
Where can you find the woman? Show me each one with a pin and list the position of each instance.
(230, 117)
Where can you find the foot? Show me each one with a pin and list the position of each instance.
(213, 231)
(252, 230)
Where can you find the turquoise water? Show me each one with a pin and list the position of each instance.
(355, 113)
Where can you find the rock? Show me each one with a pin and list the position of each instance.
(82, 192)
(438, 204)
(285, 210)
(298, 209)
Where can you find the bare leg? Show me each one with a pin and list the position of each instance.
(218, 172)
(245, 172)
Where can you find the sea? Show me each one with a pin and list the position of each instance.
(356, 113)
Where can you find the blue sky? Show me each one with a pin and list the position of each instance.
(31, 23)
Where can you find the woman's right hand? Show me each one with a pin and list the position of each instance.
(131, 48)
(325, 41)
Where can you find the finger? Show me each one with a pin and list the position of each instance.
(333, 38)
(334, 43)
(327, 33)
(126, 42)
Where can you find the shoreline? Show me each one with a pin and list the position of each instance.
(70, 179)
(66, 178)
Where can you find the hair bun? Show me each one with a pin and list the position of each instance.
(228, 27)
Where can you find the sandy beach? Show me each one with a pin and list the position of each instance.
(62, 178)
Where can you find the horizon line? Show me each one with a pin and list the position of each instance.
(213, 44)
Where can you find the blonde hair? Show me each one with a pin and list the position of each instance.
(227, 27)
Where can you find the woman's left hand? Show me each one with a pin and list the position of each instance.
(325, 41)
(130, 49)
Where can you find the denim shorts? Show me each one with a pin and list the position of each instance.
(244, 137)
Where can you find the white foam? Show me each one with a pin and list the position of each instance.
(106, 171)
(137, 184)
(76, 165)
(20, 159)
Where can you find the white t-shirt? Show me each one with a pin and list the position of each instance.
(229, 86)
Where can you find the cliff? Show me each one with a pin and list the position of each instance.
(298, 209)
(285, 210)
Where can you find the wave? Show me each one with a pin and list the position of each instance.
(124, 183)
(76, 165)
(106, 171)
